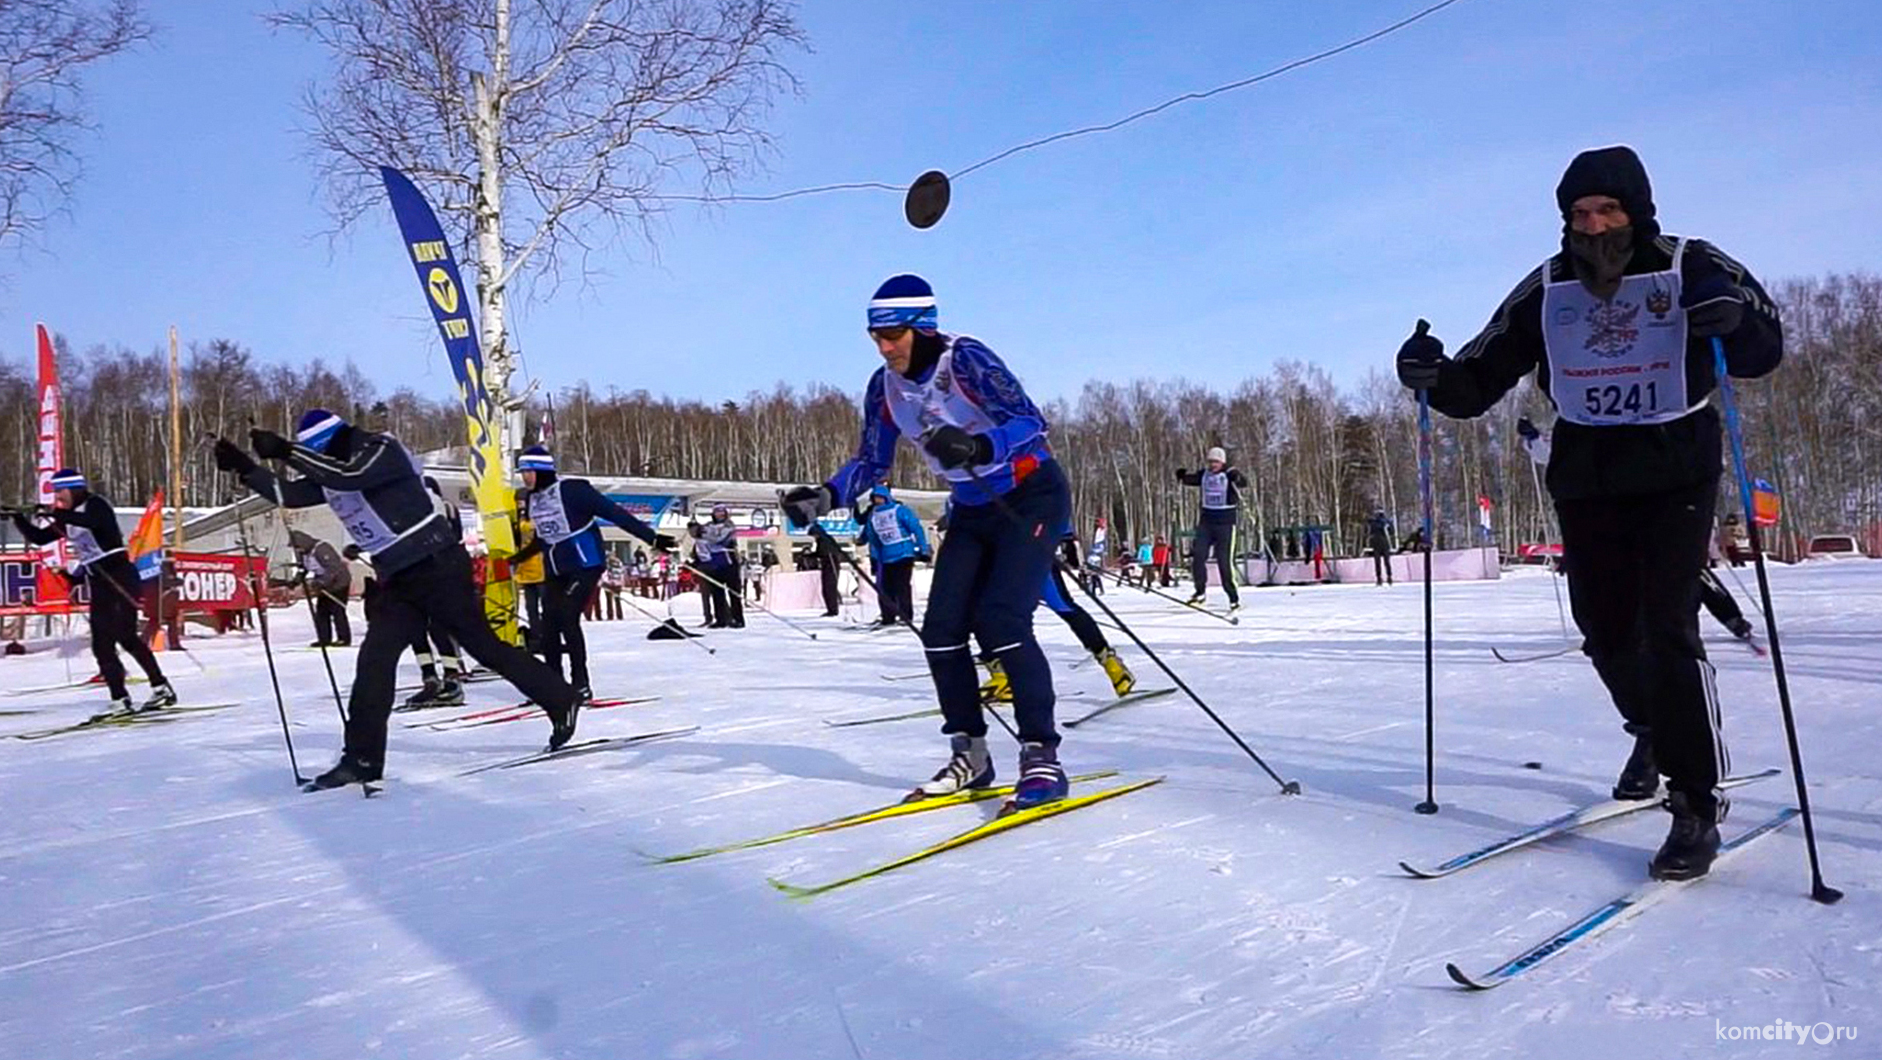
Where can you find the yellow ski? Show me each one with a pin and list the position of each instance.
(897, 809)
(993, 827)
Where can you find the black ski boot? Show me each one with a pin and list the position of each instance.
(348, 770)
(450, 694)
(564, 729)
(161, 696)
(1640, 777)
(426, 697)
(1691, 844)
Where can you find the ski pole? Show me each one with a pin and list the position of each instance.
(1186, 605)
(821, 534)
(1547, 528)
(748, 601)
(690, 638)
(326, 658)
(1430, 805)
(1288, 787)
(1819, 891)
(267, 648)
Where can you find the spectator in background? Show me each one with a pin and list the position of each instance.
(1160, 561)
(326, 576)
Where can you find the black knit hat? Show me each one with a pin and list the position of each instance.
(1615, 171)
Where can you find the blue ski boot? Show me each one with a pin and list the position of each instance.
(1041, 779)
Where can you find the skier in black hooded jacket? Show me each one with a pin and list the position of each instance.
(372, 484)
(1617, 329)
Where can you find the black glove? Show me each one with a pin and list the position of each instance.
(665, 543)
(269, 445)
(1714, 306)
(1182, 473)
(805, 503)
(1527, 430)
(231, 458)
(954, 447)
(1421, 359)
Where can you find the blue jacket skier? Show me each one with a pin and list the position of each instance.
(567, 514)
(896, 540)
(977, 429)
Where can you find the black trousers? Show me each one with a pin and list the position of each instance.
(532, 605)
(1219, 536)
(1633, 566)
(1718, 600)
(1382, 564)
(832, 599)
(114, 587)
(987, 579)
(1057, 597)
(423, 645)
(723, 608)
(330, 617)
(436, 591)
(898, 595)
(564, 598)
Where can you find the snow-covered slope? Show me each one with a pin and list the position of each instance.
(165, 892)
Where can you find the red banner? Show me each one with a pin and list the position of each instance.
(204, 581)
(209, 582)
(51, 593)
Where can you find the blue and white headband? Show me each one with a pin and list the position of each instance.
(535, 461)
(317, 434)
(68, 479)
(914, 312)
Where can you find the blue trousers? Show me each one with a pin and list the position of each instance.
(987, 578)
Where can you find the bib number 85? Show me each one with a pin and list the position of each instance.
(1614, 400)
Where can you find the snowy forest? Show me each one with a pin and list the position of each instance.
(1316, 453)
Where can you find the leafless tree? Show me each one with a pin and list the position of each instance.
(45, 46)
(541, 128)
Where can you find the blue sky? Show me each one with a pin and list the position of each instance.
(1311, 217)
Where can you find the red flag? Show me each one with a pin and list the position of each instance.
(50, 588)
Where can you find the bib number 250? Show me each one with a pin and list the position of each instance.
(1614, 400)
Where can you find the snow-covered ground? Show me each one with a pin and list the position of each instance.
(165, 892)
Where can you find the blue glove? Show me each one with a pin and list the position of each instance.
(1714, 305)
(1421, 359)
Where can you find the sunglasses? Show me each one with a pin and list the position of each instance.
(888, 334)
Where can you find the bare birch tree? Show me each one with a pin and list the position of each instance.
(541, 129)
(45, 46)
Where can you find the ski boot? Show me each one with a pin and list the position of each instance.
(348, 770)
(1690, 845)
(1640, 777)
(1041, 779)
(1122, 680)
(564, 728)
(450, 694)
(969, 766)
(117, 710)
(996, 689)
(161, 696)
(427, 696)
(1197, 600)
(1234, 606)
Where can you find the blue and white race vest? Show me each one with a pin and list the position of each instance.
(1215, 490)
(886, 524)
(86, 547)
(1623, 360)
(918, 408)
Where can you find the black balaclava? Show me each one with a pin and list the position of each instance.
(1600, 260)
(929, 346)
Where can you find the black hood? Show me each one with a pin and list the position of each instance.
(1615, 171)
(544, 479)
(929, 345)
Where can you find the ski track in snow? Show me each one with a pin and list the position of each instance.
(170, 896)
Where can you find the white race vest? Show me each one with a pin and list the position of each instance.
(361, 523)
(86, 546)
(887, 527)
(1215, 489)
(551, 519)
(1620, 361)
(918, 408)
